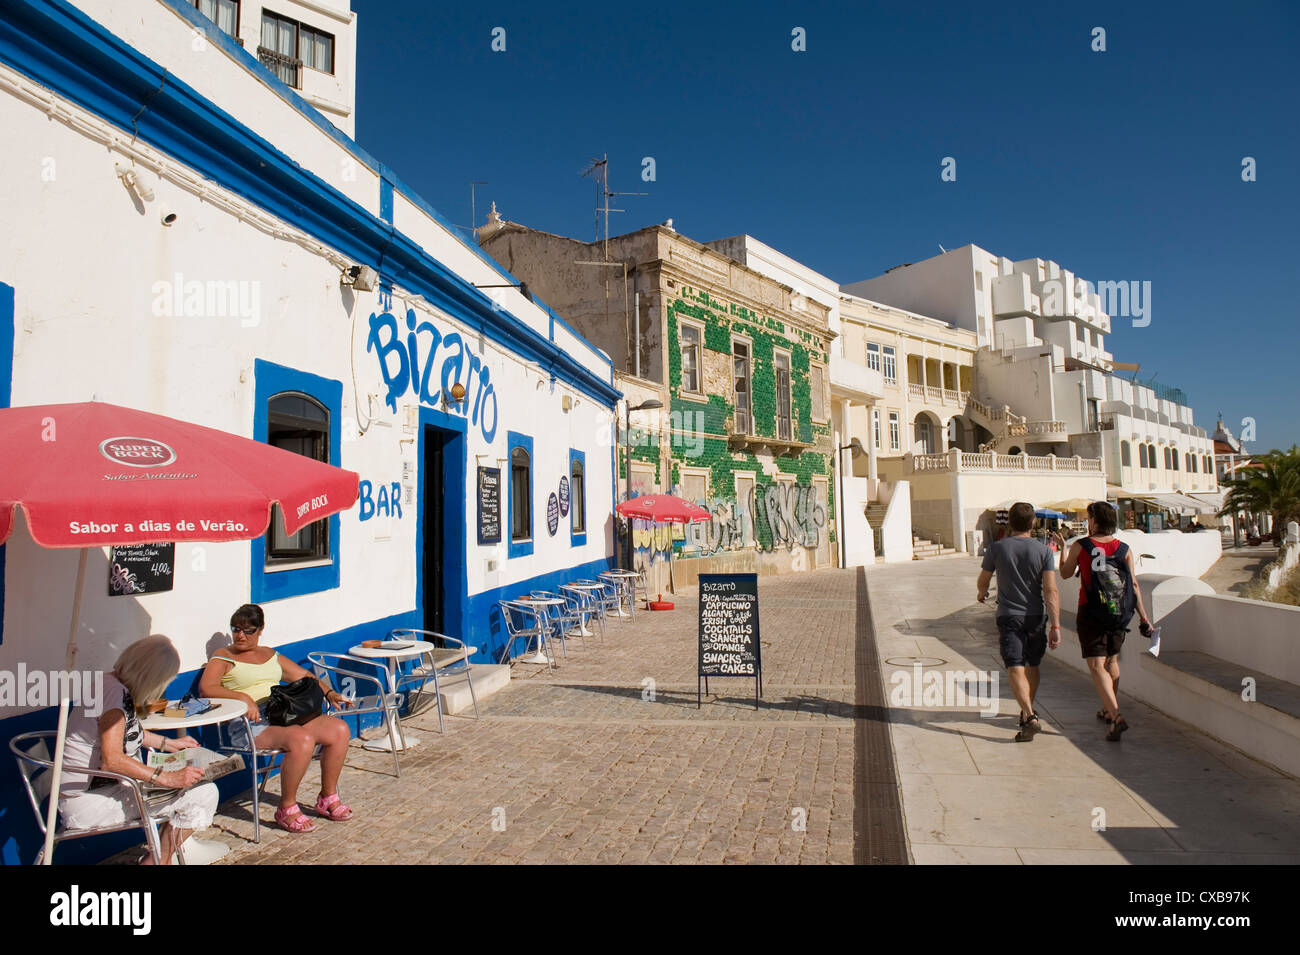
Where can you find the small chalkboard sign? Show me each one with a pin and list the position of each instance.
(552, 514)
(564, 496)
(729, 640)
(141, 569)
(489, 505)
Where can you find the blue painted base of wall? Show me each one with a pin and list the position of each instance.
(487, 631)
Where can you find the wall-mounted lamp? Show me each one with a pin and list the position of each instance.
(522, 286)
(568, 402)
(455, 395)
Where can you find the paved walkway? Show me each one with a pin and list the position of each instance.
(607, 759)
(1169, 793)
(1238, 567)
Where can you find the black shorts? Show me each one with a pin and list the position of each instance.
(1095, 640)
(1023, 640)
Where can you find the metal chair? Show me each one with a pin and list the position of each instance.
(443, 659)
(623, 588)
(382, 701)
(640, 589)
(584, 602)
(523, 620)
(564, 617)
(36, 766)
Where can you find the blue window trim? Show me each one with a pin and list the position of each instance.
(516, 440)
(577, 538)
(6, 392)
(270, 379)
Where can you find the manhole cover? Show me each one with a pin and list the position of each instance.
(915, 661)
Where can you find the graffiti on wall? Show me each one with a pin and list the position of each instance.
(407, 365)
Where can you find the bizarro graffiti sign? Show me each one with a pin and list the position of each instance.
(407, 365)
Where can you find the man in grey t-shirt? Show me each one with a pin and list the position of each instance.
(1027, 596)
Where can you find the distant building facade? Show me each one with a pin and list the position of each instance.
(739, 363)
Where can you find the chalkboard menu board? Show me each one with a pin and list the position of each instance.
(141, 569)
(552, 514)
(564, 496)
(729, 641)
(489, 505)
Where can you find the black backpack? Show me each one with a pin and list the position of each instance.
(1110, 601)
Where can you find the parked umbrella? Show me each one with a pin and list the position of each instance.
(666, 509)
(94, 474)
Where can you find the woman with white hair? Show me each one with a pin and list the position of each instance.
(111, 738)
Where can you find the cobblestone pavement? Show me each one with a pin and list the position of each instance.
(607, 759)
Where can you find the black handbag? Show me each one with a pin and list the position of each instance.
(293, 703)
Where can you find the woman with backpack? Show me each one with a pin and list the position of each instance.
(1108, 596)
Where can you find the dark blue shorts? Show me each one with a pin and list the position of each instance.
(1023, 640)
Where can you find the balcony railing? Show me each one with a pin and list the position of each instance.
(286, 68)
(954, 460)
(936, 395)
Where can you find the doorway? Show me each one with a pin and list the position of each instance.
(435, 506)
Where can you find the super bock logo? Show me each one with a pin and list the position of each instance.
(137, 452)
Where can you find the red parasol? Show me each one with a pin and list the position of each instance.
(663, 509)
(93, 474)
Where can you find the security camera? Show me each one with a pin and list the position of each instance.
(168, 217)
(361, 277)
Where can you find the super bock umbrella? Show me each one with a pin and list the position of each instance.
(663, 508)
(94, 474)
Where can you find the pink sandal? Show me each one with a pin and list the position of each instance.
(292, 819)
(331, 807)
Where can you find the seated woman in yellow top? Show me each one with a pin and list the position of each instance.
(245, 671)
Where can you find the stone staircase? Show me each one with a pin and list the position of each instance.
(923, 549)
(1012, 430)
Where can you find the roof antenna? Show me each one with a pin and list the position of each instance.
(943, 250)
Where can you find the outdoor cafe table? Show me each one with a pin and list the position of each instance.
(392, 653)
(540, 656)
(625, 578)
(223, 711)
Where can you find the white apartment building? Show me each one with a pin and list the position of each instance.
(310, 46)
(1043, 367)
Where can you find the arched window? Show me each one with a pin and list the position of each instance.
(1125, 456)
(577, 496)
(1142, 455)
(301, 424)
(1173, 459)
(521, 482)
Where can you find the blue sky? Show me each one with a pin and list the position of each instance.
(1122, 165)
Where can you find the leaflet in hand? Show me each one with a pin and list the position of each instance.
(214, 765)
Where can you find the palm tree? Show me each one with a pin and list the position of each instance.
(1273, 488)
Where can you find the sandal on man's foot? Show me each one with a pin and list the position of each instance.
(1103, 715)
(292, 819)
(331, 807)
(1028, 729)
(1117, 726)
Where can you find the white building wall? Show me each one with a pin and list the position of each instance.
(100, 320)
